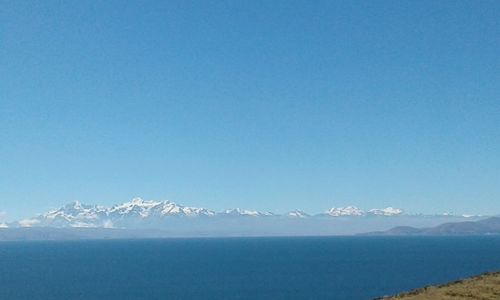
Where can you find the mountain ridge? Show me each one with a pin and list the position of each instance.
(489, 226)
(139, 213)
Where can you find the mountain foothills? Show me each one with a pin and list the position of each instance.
(489, 226)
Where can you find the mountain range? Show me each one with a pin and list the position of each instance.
(139, 212)
(149, 218)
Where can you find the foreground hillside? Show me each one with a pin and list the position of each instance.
(484, 287)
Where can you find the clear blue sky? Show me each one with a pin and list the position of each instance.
(269, 105)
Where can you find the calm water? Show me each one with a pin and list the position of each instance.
(243, 268)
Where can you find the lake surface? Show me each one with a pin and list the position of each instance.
(239, 268)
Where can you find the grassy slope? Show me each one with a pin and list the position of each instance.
(484, 287)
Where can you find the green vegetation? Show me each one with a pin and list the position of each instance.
(482, 287)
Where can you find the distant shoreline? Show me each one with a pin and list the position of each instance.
(88, 234)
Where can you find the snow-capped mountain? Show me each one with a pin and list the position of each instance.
(345, 211)
(297, 214)
(73, 214)
(353, 211)
(76, 214)
(244, 212)
(144, 209)
(388, 211)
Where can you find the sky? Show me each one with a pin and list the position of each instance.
(267, 105)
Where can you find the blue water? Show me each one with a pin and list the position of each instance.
(240, 268)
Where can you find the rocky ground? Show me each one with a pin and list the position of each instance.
(482, 287)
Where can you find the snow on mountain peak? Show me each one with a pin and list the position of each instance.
(76, 214)
(244, 212)
(237, 212)
(139, 212)
(136, 206)
(354, 211)
(137, 200)
(156, 208)
(297, 214)
(388, 211)
(345, 211)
